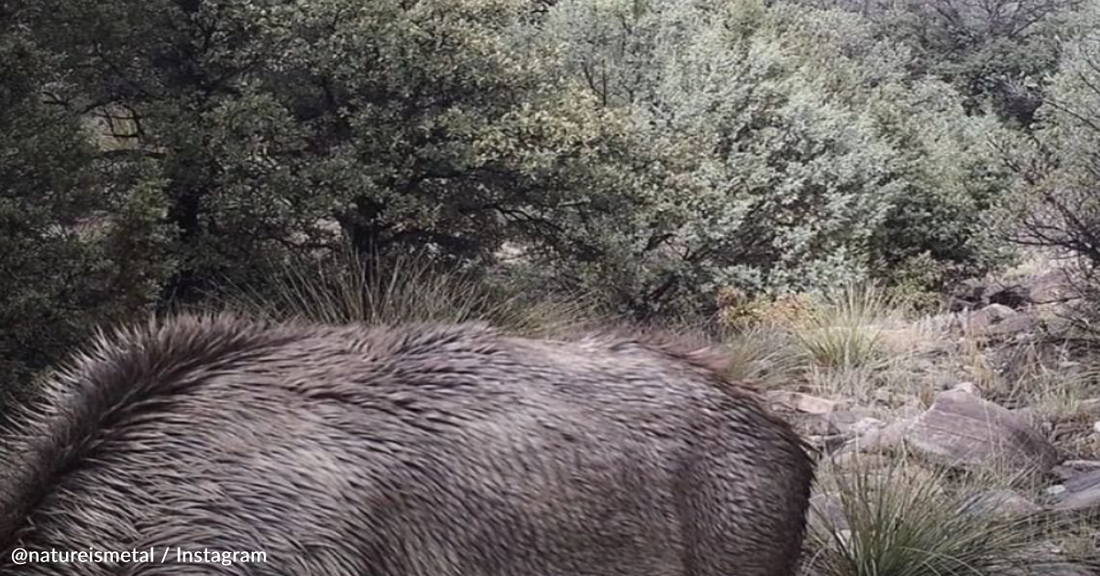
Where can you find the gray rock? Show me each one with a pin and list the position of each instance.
(1082, 465)
(829, 444)
(969, 388)
(1081, 492)
(854, 422)
(1049, 287)
(880, 439)
(1018, 292)
(1000, 321)
(853, 459)
(964, 430)
(1056, 568)
(1001, 502)
(813, 425)
(992, 314)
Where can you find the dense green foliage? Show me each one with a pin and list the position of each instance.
(996, 53)
(1059, 188)
(794, 148)
(63, 267)
(646, 153)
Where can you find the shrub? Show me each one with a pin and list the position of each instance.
(1059, 204)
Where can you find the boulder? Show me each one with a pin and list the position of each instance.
(969, 388)
(1017, 292)
(964, 430)
(981, 320)
(854, 422)
(1081, 492)
(1065, 569)
(880, 439)
(852, 459)
(1000, 322)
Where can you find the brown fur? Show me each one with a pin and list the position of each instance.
(412, 451)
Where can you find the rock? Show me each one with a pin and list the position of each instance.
(865, 476)
(812, 424)
(970, 295)
(1000, 502)
(853, 422)
(1065, 569)
(1052, 565)
(894, 400)
(968, 387)
(859, 460)
(828, 444)
(1080, 493)
(880, 439)
(976, 294)
(1051, 286)
(1022, 326)
(1071, 469)
(1082, 465)
(865, 426)
(1063, 473)
(1018, 292)
(908, 477)
(964, 430)
(832, 430)
(992, 314)
(803, 402)
(1050, 560)
(1000, 321)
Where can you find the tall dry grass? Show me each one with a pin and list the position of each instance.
(903, 520)
(350, 288)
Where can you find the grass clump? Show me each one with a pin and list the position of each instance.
(765, 355)
(843, 331)
(909, 521)
(349, 288)
(836, 342)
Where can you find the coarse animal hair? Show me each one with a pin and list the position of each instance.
(415, 450)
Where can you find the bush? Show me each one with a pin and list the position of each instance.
(1058, 207)
(782, 149)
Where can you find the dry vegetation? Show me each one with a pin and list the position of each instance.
(852, 369)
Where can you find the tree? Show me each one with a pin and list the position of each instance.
(996, 53)
(63, 267)
(1058, 206)
(282, 126)
(789, 149)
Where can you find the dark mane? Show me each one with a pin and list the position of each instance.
(98, 385)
